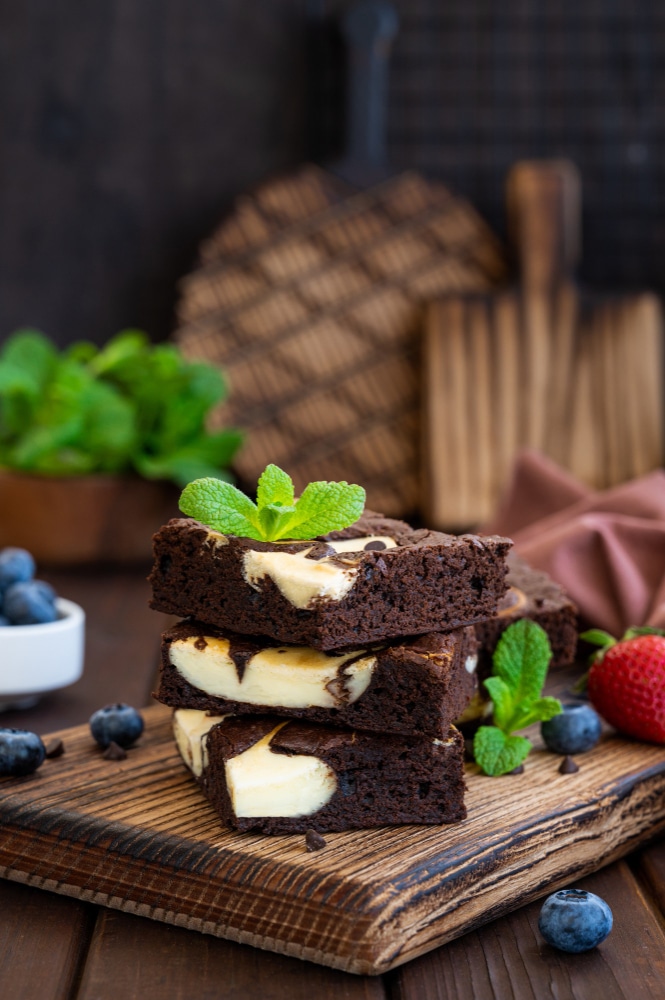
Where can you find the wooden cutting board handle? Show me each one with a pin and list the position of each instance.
(544, 217)
(369, 28)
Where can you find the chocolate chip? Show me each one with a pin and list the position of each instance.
(114, 752)
(320, 550)
(568, 765)
(314, 841)
(376, 545)
(54, 748)
(517, 770)
(200, 643)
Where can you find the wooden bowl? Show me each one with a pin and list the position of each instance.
(85, 519)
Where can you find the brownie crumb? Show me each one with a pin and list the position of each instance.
(517, 770)
(114, 752)
(54, 748)
(568, 765)
(314, 841)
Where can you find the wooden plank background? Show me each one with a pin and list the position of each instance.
(125, 130)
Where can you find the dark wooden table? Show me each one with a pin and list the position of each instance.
(55, 948)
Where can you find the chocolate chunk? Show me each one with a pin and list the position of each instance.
(314, 841)
(54, 748)
(517, 770)
(371, 546)
(241, 650)
(114, 752)
(320, 550)
(568, 765)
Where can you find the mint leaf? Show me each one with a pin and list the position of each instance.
(180, 467)
(31, 352)
(128, 345)
(275, 487)
(324, 507)
(521, 659)
(222, 507)
(540, 710)
(275, 520)
(498, 753)
(502, 699)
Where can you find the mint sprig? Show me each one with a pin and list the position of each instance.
(130, 406)
(520, 664)
(276, 515)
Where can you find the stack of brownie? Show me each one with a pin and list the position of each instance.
(316, 682)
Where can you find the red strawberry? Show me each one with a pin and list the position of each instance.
(627, 684)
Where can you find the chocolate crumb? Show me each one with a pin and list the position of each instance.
(314, 841)
(568, 765)
(54, 748)
(375, 546)
(114, 752)
(517, 770)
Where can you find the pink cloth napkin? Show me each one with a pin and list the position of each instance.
(606, 548)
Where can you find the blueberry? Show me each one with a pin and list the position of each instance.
(575, 730)
(16, 566)
(29, 604)
(117, 723)
(21, 752)
(45, 589)
(574, 920)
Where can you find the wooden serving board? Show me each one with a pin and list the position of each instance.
(137, 835)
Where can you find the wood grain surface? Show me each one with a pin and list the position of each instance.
(137, 835)
(510, 959)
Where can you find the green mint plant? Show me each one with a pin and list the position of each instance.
(129, 406)
(520, 664)
(276, 515)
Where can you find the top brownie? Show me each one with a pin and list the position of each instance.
(375, 580)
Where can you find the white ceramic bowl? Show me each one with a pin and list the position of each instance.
(35, 659)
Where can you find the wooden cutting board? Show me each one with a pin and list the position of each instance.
(316, 325)
(137, 835)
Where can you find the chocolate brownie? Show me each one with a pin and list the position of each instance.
(414, 686)
(265, 774)
(531, 594)
(375, 580)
